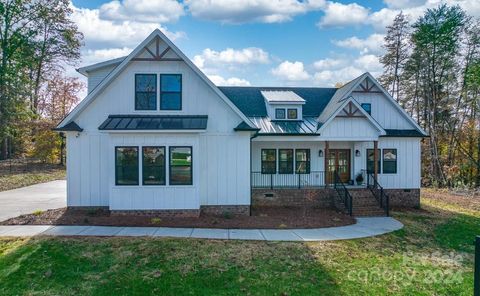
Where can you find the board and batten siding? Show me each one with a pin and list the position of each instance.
(383, 111)
(95, 77)
(349, 129)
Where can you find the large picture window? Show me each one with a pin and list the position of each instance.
(302, 161)
(269, 161)
(181, 166)
(371, 163)
(153, 165)
(126, 165)
(285, 161)
(389, 161)
(171, 92)
(145, 92)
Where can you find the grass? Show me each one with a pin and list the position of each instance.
(12, 181)
(432, 255)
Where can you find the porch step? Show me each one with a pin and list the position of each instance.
(365, 203)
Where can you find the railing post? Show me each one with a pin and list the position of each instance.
(381, 197)
(476, 277)
(271, 181)
(387, 201)
(298, 181)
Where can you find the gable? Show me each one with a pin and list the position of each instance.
(350, 128)
(151, 46)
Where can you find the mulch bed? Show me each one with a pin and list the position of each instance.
(262, 217)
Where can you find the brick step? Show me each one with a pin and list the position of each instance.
(372, 202)
(369, 214)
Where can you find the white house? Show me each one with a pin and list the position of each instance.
(154, 133)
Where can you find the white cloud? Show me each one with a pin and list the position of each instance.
(160, 11)
(402, 4)
(250, 55)
(91, 56)
(346, 69)
(339, 15)
(291, 71)
(371, 44)
(102, 33)
(245, 11)
(232, 81)
(329, 63)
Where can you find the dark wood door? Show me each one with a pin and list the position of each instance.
(338, 160)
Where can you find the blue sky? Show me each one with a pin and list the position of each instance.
(254, 42)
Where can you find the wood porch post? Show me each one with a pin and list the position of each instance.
(375, 159)
(325, 158)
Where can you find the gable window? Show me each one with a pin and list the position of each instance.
(181, 166)
(145, 91)
(153, 165)
(285, 161)
(279, 113)
(389, 161)
(302, 161)
(171, 92)
(292, 114)
(126, 165)
(371, 163)
(269, 161)
(367, 107)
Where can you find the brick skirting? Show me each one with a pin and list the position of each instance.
(318, 197)
(404, 198)
(159, 213)
(226, 209)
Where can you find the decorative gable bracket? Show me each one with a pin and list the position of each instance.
(157, 55)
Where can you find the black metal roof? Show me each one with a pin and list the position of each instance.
(69, 127)
(404, 133)
(306, 127)
(251, 102)
(154, 122)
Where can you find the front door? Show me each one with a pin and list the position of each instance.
(338, 160)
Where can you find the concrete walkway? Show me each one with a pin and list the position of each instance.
(26, 200)
(365, 227)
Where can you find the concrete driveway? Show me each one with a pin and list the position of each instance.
(26, 200)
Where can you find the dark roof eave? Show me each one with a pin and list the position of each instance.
(69, 127)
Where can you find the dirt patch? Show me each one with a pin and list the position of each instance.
(467, 200)
(262, 217)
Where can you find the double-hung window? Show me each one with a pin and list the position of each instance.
(126, 165)
(181, 165)
(285, 161)
(371, 162)
(292, 113)
(146, 92)
(153, 165)
(389, 161)
(302, 161)
(269, 161)
(170, 92)
(279, 113)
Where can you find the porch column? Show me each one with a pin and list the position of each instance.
(325, 166)
(375, 159)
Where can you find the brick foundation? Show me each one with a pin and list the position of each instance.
(243, 210)
(404, 198)
(319, 197)
(159, 213)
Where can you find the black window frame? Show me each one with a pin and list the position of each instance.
(164, 165)
(280, 110)
(116, 166)
(307, 162)
(291, 163)
(262, 168)
(393, 161)
(156, 91)
(369, 111)
(379, 159)
(288, 113)
(170, 148)
(171, 92)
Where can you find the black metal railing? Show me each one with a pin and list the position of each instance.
(344, 196)
(276, 181)
(476, 273)
(379, 193)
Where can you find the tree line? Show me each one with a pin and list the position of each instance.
(37, 40)
(432, 69)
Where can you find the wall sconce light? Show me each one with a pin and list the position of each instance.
(320, 153)
(357, 153)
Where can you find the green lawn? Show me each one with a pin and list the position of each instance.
(432, 255)
(17, 180)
